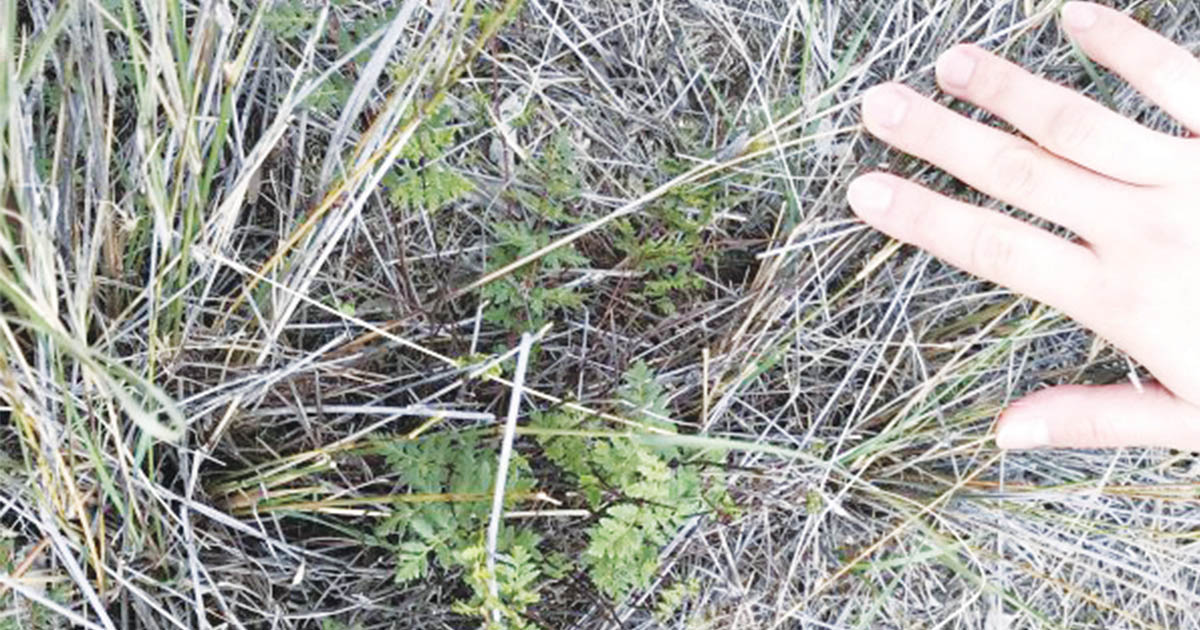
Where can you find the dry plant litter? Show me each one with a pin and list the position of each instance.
(266, 269)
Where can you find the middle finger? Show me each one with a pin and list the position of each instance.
(1066, 123)
(997, 163)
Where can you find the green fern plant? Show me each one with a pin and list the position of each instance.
(518, 577)
(330, 94)
(672, 598)
(420, 178)
(525, 299)
(667, 245)
(644, 492)
(289, 19)
(558, 189)
(449, 476)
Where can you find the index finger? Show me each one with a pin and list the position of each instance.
(1164, 72)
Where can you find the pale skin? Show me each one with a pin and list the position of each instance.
(1130, 194)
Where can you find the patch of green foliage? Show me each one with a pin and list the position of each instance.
(292, 20)
(555, 170)
(526, 298)
(672, 598)
(519, 574)
(449, 475)
(289, 19)
(330, 94)
(645, 492)
(421, 178)
(642, 492)
(668, 246)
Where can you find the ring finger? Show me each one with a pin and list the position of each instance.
(1000, 248)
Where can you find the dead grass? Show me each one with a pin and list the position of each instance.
(205, 238)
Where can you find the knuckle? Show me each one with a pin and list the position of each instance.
(1173, 69)
(1071, 130)
(1113, 300)
(1161, 232)
(1102, 428)
(991, 251)
(1015, 172)
(1089, 431)
(918, 220)
(1172, 227)
(990, 85)
(1189, 156)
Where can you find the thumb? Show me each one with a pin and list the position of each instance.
(1100, 416)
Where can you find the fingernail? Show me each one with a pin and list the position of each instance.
(1023, 433)
(884, 105)
(868, 194)
(955, 68)
(1078, 16)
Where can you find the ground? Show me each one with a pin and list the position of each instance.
(270, 269)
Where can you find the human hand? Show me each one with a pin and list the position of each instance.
(1132, 195)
